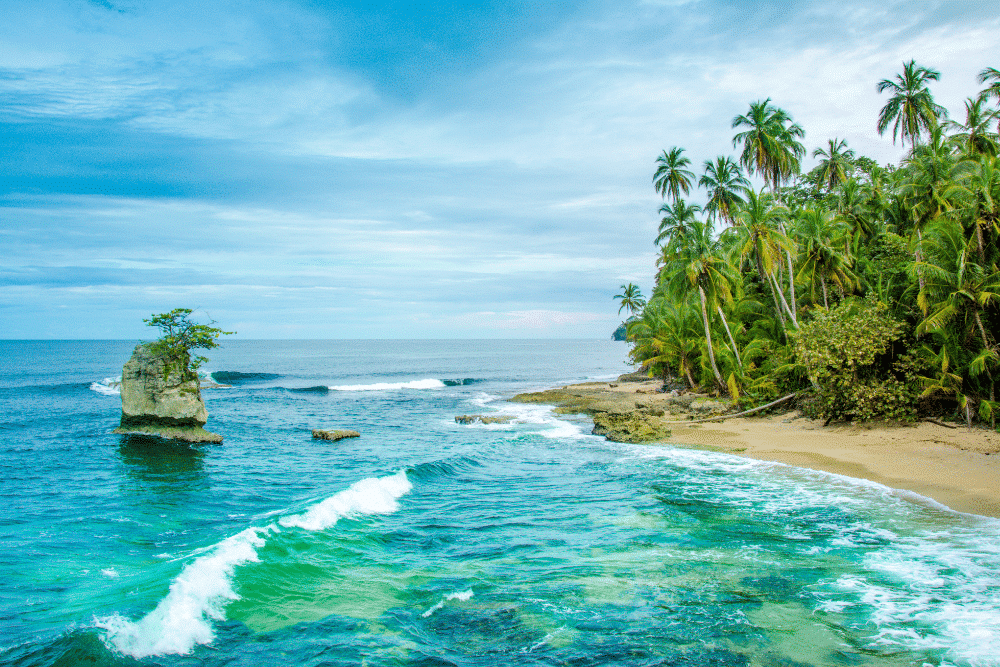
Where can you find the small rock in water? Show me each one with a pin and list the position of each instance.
(483, 419)
(321, 434)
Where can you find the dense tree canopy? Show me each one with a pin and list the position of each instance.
(873, 291)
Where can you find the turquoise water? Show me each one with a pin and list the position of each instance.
(426, 542)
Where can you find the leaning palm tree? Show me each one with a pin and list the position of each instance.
(671, 176)
(726, 187)
(757, 236)
(911, 110)
(698, 266)
(631, 298)
(772, 149)
(834, 164)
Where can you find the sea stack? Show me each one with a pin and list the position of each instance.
(162, 397)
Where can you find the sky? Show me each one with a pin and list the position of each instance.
(314, 169)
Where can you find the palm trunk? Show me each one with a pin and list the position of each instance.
(822, 280)
(982, 331)
(708, 339)
(918, 257)
(781, 294)
(732, 342)
(687, 374)
(767, 277)
(791, 289)
(791, 279)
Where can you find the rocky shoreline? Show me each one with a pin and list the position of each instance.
(957, 467)
(627, 411)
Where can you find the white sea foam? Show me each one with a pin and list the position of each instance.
(198, 595)
(203, 589)
(935, 590)
(108, 386)
(390, 386)
(463, 596)
(369, 496)
(542, 415)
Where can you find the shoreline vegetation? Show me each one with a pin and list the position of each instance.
(957, 467)
(870, 294)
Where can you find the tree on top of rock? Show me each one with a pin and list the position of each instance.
(180, 335)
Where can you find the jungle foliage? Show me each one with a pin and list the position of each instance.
(874, 291)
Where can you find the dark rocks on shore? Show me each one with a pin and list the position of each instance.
(483, 419)
(163, 399)
(322, 434)
(632, 426)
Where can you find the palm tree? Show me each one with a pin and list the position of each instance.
(677, 222)
(824, 241)
(978, 204)
(974, 135)
(699, 266)
(757, 235)
(990, 75)
(671, 176)
(835, 163)
(726, 186)
(770, 143)
(631, 299)
(956, 293)
(772, 150)
(665, 337)
(911, 110)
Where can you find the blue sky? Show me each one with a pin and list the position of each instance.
(309, 169)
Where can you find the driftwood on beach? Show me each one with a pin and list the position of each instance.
(737, 414)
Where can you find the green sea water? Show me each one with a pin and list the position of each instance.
(427, 542)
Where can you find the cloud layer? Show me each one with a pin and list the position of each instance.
(348, 169)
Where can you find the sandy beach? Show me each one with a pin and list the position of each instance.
(957, 467)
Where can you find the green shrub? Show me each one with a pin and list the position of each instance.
(856, 363)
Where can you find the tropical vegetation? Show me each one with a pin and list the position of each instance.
(179, 335)
(872, 292)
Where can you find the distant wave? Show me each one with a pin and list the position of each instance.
(238, 377)
(318, 389)
(108, 386)
(389, 386)
(203, 589)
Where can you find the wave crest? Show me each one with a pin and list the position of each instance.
(203, 589)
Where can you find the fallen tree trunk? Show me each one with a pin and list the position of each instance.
(939, 422)
(736, 414)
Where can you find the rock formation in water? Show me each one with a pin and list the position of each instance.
(323, 434)
(162, 397)
(483, 419)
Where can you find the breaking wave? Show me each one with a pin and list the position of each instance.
(200, 593)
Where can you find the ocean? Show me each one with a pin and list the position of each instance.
(426, 542)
